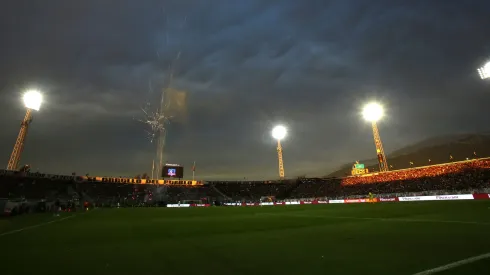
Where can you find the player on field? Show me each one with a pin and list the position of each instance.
(371, 197)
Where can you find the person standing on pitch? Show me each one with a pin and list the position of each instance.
(371, 197)
(57, 207)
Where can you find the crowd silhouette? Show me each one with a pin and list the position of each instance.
(451, 178)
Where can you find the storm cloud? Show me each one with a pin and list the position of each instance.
(246, 66)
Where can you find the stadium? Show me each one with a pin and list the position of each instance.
(416, 220)
(420, 220)
(238, 78)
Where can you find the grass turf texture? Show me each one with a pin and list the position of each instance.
(383, 238)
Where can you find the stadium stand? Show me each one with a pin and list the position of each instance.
(444, 178)
(248, 191)
(32, 192)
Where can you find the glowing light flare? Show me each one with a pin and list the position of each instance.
(372, 112)
(485, 71)
(279, 132)
(33, 99)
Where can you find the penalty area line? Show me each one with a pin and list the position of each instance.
(35, 226)
(453, 265)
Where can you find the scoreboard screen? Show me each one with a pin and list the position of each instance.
(173, 171)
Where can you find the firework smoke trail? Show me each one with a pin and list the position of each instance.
(158, 120)
(165, 104)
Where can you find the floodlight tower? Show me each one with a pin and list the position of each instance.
(32, 101)
(484, 71)
(279, 132)
(373, 112)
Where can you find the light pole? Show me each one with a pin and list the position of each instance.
(32, 101)
(279, 132)
(484, 71)
(373, 112)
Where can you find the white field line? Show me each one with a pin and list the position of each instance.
(379, 219)
(453, 265)
(35, 226)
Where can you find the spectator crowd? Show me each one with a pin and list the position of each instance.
(471, 175)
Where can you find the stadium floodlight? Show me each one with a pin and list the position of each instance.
(485, 71)
(279, 132)
(373, 112)
(32, 101)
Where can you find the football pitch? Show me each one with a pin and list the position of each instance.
(382, 238)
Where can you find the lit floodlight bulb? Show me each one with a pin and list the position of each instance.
(372, 112)
(485, 71)
(279, 132)
(33, 99)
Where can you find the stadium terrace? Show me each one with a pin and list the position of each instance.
(31, 192)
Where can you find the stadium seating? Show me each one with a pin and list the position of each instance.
(444, 179)
(251, 190)
(449, 178)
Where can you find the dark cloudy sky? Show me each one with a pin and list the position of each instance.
(246, 65)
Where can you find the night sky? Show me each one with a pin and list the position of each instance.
(246, 66)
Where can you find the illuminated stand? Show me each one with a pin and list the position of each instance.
(279, 132)
(484, 71)
(32, 101)
(373, 112)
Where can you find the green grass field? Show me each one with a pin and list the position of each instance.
(383, 238)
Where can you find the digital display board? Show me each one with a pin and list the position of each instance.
(173, 171)
(359, 166)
